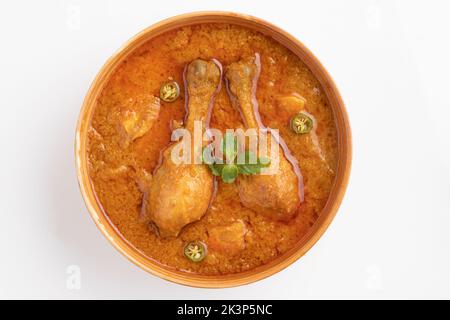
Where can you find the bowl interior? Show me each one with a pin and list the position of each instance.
(282, 261)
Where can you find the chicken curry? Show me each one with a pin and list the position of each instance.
(212, 217)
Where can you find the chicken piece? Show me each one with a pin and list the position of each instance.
(137, 116)
(228, 239)
(181, 193)
(279, 194)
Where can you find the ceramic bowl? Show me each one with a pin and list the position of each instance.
(344, 140)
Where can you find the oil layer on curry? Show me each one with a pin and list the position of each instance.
(204, 218)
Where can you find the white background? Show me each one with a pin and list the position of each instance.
(390, 60)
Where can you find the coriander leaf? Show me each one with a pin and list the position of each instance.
(229, 173)
(229, 147)
(264, 162)
(250, 157)
(244, 170)
(249, 168)
(252, 167)
(216, 169)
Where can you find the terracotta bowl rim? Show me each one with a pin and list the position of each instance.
(328, 213)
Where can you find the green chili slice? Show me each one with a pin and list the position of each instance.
(301, 123)
(195, 251)
(169, 91)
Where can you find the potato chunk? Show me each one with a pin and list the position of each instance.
(137, 116)
(291, 103)
(228, 239)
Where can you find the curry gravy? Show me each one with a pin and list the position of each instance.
(114, 169)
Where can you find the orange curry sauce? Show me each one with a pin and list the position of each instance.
(114, 168)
